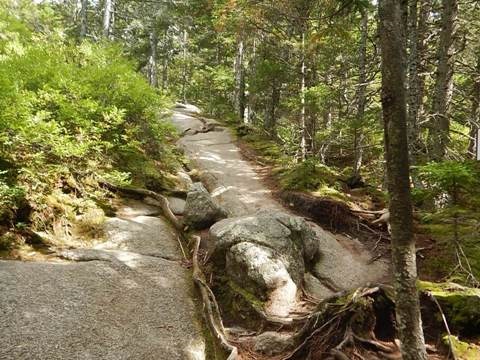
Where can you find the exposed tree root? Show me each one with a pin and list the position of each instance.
(212, 312)
(162, 200)
(347, 326)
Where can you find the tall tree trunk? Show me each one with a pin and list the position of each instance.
(184, 71)
(152, 59)
(271, 118)
(474, 145)
(440, 125)
(413, 82)
(361, 99)
(239, 70)
(83, 18)
(303, 124)
(392, 41)
(107, 17)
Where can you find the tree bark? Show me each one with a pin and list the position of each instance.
(83, 19)
(413, 81)
(440, 124)
(361, 99)
(152, 59)
(107, 18)
(392, 42)
(303, 124)
(271, 118)
(184, 71)
(475, 120)
(239, 70)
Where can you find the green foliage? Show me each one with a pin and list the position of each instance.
(451, 177)
(71, 116)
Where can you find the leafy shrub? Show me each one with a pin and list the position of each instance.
(71, 116)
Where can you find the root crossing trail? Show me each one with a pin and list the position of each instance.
(345, 263)
(128, 298)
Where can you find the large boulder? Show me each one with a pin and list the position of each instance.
(200, 209)
(289, 238)
(265, 254)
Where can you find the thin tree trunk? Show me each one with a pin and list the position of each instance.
(107, 17)
(239, 70)
(251, 98)
(271, 118)
(361, 99)
(422, 30)
(392, 41)
(83, 19)
(413, 94)
(303, 142)
(440, 125)
(152, 59)
(475, 121)
(184, 71)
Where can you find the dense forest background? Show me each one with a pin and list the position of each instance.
(299, 79)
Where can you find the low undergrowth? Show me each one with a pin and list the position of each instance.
(71, 117)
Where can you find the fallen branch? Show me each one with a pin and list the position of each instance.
(162, 200)
(212, 315)
(445, 323)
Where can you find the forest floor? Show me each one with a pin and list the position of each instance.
(130, 297)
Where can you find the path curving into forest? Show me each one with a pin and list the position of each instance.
(236, 185)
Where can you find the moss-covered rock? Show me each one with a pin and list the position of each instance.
(460, 304)
(462, 350)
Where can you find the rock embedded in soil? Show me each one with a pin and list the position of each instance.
(176, 205)
(201, 211)
(272, 343)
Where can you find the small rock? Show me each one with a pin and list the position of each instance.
(200, 209)
(183, 182)
(315, 288)
(273, 343)
(176, 205)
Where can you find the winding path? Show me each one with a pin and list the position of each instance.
(234, 183)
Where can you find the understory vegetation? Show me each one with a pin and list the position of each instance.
(72, 115)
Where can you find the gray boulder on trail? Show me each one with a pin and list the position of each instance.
(201, 211)
(289, 238)
(266, 254)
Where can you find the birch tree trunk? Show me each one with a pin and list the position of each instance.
(303, 142)
(239, 70)
(107, 18)
(361, 100)
(392, 43)
(184, 71)
(440, 124)
(152, 59)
